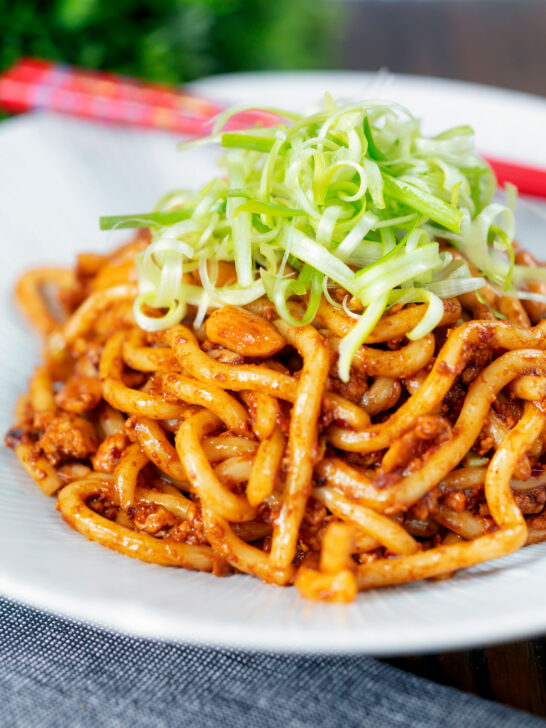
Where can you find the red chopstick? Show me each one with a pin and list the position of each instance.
(528, 180)
(36, 84)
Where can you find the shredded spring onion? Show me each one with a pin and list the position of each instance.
(353, 197)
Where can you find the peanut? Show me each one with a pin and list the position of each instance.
(243, 332)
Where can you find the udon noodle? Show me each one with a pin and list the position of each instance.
(235, 446)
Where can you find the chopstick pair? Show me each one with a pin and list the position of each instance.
(33, 84)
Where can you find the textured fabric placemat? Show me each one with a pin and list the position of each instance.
(59, 673)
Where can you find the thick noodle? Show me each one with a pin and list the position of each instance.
(234, 446)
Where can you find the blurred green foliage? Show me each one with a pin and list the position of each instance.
(170, 40)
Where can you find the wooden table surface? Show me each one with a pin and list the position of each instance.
(503, 43)
(513, 674)
(497, 42)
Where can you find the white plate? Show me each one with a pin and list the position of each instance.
(58, 176)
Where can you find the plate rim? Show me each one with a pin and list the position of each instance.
(509, 628)
(461, 84)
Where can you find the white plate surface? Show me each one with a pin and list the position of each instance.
(58, 176)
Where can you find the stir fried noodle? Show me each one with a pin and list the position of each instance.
(236, 446)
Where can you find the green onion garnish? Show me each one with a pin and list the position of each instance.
(353, 196)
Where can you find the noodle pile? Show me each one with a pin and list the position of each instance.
(235, 446)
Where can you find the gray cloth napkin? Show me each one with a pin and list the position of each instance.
(59, 673)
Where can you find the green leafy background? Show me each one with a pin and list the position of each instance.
(170, 40)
